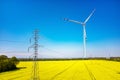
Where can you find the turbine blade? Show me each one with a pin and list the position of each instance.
(89, 16)
(66, 19)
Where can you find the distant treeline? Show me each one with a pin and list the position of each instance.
(7, 64)
(63, 59)
(114, 59)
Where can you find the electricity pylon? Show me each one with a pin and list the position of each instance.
(35, 67)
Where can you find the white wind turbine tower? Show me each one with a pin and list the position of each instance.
(84, 30)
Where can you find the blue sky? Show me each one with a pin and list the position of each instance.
(18, 19)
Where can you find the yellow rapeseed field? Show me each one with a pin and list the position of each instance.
(67, 70)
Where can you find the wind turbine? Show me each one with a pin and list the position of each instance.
(84, 30)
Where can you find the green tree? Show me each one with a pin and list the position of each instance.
(7, 64)
(3, 57)
(14, 60)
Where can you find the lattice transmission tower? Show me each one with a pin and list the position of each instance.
(35, 67)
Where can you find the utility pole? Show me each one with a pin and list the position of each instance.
(35, 67)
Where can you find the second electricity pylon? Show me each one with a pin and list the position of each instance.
(35, 68)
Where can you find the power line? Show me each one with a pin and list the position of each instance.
(12, 41)
(13, 51)
(60, 53)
